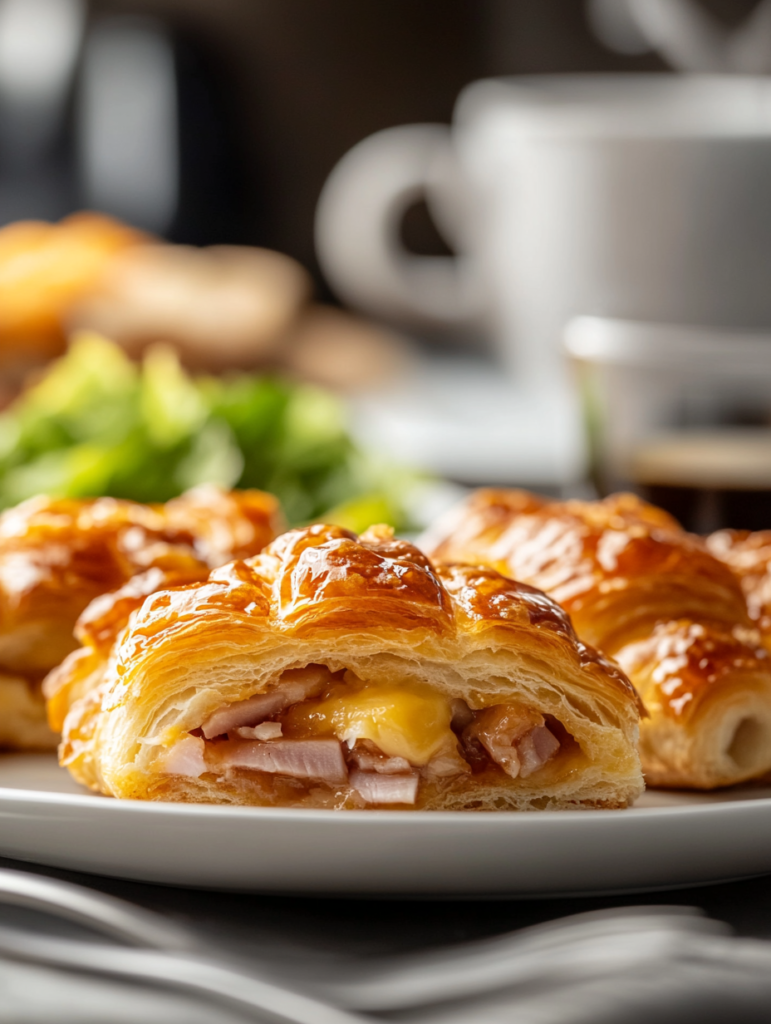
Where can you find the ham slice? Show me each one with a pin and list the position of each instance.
(377, 788)
(366, 756)
(263, 731)
(295, 685)
(515, 737)
(536, 748)
(301, 759)
(186, 758)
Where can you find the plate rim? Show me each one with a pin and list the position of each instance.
(46, 821)
(10, 794)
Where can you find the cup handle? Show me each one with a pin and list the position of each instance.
(691, 40)
(358, 219)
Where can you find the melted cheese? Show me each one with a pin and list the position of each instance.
(410, 721)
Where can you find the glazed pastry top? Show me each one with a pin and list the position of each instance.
(324, 580)
(58, 555)
(749, 556)
(603, 561)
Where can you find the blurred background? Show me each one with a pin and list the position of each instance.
(365, 309)
(264, 97)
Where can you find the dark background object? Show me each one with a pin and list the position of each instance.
(271, 93)
(214, 184)
(705, 509)
(305, 81)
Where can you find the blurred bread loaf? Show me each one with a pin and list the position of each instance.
(220, 307)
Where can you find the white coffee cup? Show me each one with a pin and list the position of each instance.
(636, 197)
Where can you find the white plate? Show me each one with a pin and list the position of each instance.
(666, 840)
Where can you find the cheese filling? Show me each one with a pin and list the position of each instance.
(411, 722)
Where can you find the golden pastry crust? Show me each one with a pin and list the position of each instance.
(748, 554)
(653, 597)
(59, 555)
(378, 618)
(98, 628)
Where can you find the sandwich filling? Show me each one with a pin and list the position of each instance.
(377, 742)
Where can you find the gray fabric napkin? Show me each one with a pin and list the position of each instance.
(647, 964)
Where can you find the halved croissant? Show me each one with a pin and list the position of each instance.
(654, 598)
(345, 672)
(58, 555)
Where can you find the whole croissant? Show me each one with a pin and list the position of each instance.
(653, 597)
(58, 555)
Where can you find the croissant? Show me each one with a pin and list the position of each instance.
(58, 555)
(655, 599)
(332, 671)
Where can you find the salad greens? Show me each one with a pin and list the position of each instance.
(99, 424)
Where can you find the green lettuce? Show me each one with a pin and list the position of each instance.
(97, 424)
